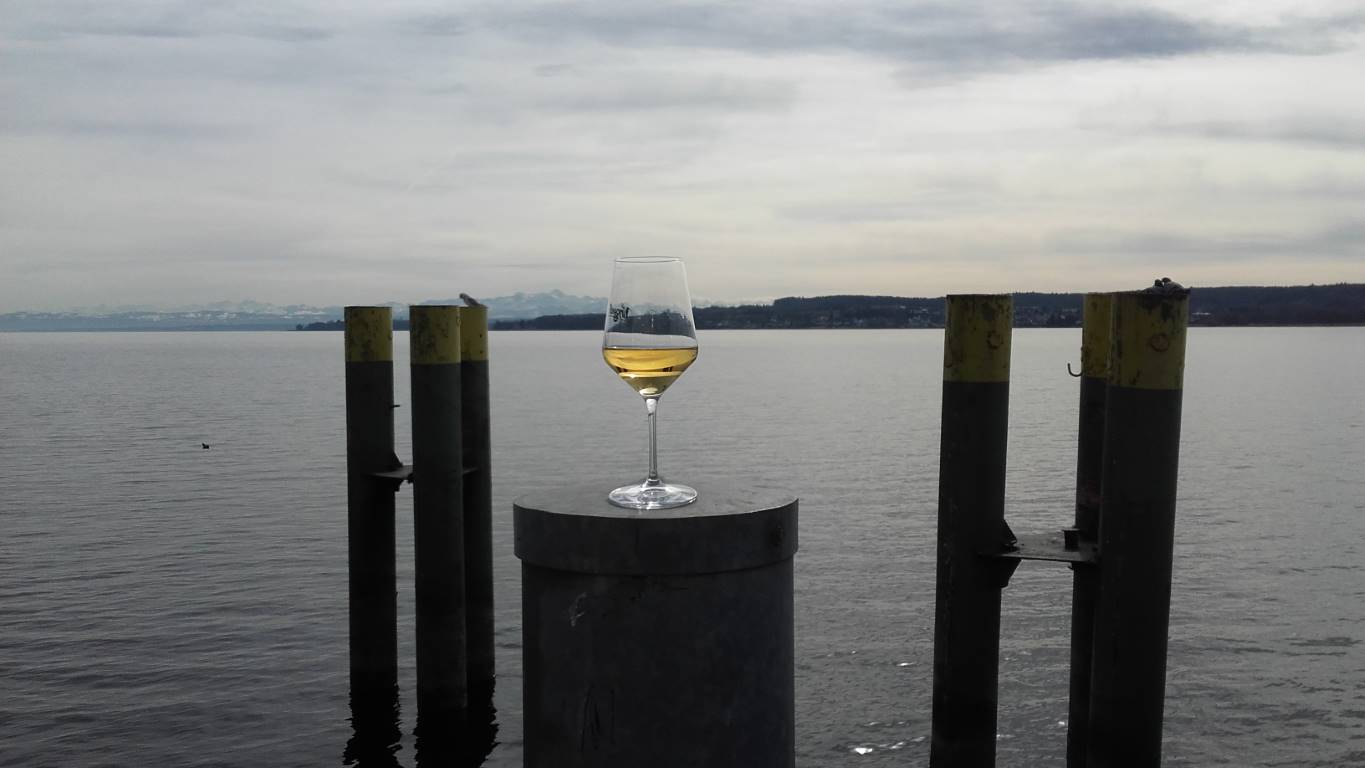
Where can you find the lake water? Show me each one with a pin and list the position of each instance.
(161, 604)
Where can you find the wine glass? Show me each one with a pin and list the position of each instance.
(649, 341)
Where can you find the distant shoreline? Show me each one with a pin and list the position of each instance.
(1311, 306)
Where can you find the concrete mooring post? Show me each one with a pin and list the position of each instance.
(1137, 527)
(659, 638)
(971, 525)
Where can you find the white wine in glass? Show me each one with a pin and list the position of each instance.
(649, 341)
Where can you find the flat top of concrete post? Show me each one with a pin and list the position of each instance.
(728, 527)
(712, 499)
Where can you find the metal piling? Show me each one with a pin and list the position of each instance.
(1136, 527)
(1097, 319)
(370, 502)
(438, 519)
(971, 524)
(478, 520)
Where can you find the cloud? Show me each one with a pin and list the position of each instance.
(966, 37)
(311, 150)
(929, 197)
(56, 20)
(1326, 132)
(1341, 240)
(152, 129)
(675, 91)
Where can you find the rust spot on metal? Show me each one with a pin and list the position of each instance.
(1159, 342)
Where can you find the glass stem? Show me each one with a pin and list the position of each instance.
(651, 407)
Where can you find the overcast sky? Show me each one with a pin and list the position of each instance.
(354, 151)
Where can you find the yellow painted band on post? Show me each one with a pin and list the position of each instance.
(473, 333)
(976, 345)
(369, 335)
(1096, 323)
(1148, 350)
(434, 334)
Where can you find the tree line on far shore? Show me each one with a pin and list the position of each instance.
(1342, 304)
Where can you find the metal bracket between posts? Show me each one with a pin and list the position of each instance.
(407, 473)
(397, 473)
(396, 477)
(1063, 546)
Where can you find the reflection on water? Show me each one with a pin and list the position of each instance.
(446, 735)
(151, 589)
(444, 740)
(376, 736)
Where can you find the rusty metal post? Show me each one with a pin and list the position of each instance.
(1085, 582)
(1137, 523)
(438, 519)
(971, 528)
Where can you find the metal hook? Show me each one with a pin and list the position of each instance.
(1068, 370)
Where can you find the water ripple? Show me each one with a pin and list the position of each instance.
(161, 604)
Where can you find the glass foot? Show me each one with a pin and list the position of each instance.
(652, 496)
